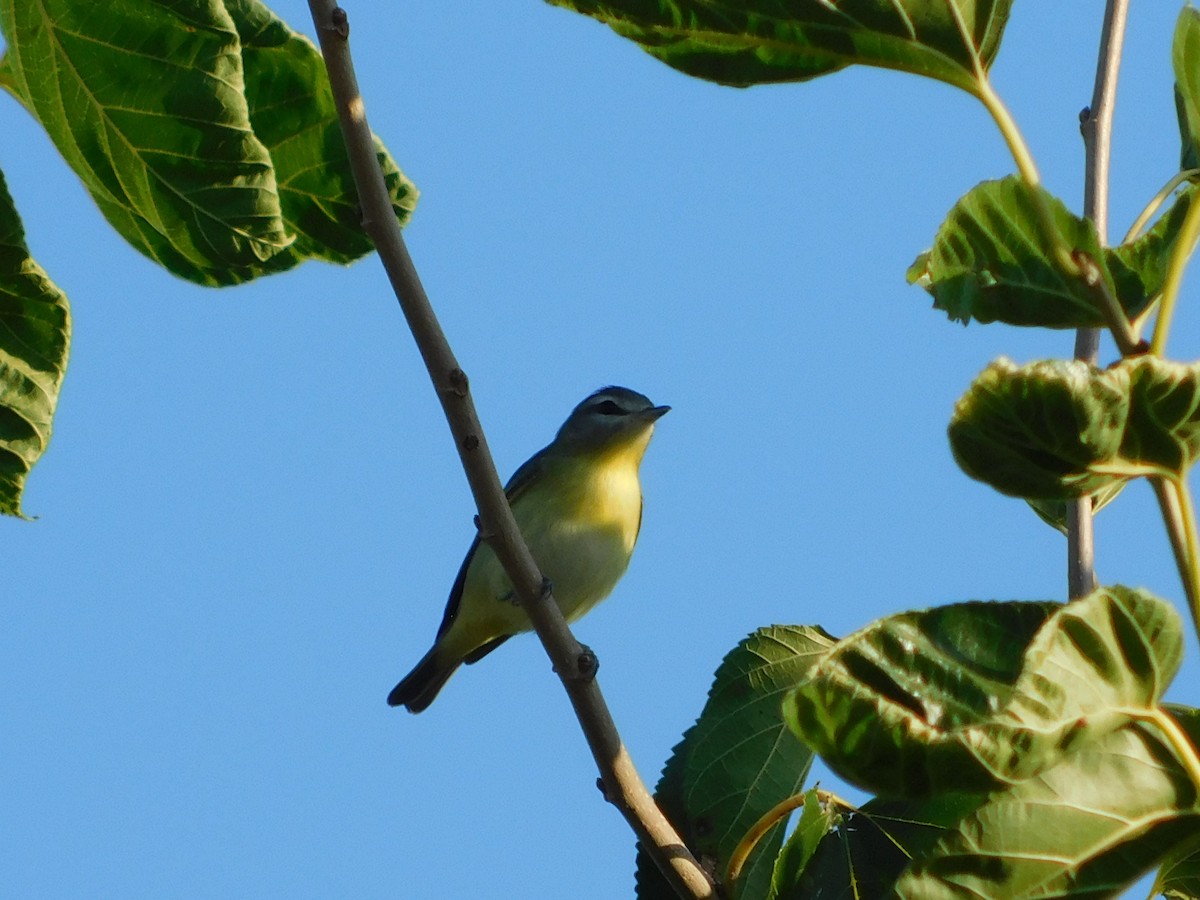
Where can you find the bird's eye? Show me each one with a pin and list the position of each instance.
(609, 408)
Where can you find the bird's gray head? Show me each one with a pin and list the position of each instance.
(609, 416)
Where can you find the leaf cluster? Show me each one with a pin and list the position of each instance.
(1015, 749)
(207, 136)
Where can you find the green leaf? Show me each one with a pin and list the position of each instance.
(990, 261)
(1163, 428)
(204, 131)
(1038, 431)
(293, 114)
(1179, 877)
(865, 850)
(975, 696)
(1087, 827)
(818, 817)
(1054, 512)
(145, 102)
(761, 42)
(35, 337)
(1185, 58)
(1057, 429)
(1139, 268)
(739, 760)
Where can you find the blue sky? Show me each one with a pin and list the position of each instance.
(251, 511)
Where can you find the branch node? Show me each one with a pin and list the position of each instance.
(600, 786)
(587, 664)
(470, 443)
(339, 23)
(547, 589)
(460, 385)
(1085, 118)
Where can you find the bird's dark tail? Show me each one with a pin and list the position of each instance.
(420, 686)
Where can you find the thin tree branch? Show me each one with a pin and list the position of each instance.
(1096, 126)
(574, 664)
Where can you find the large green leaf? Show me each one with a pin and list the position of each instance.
(1037, 430)
(975, 696)
(739, 760)
(863, 851)
(990, 260)
(35, 337)
(204, 131)
(144, 99)
(1185, 58)
(293, 114)
(1063, 428)
(1087, 827)
(745, 42)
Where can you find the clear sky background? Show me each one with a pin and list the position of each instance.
(252, 512)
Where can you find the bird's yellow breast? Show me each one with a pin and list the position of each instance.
(581, 518)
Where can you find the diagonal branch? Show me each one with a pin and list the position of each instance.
(574, 664)
(1096, 126)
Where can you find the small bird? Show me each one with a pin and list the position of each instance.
(578, 503)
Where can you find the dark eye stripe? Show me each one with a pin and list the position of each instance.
(609, 408)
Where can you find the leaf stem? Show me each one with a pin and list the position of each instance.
(767, 821)
(622, 785)
(1188, 233)
(1179, 740)
(1156, 203)
(1187, 513)
(1179, 518)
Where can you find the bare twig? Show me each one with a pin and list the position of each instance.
(1096, 125)
(622, 785)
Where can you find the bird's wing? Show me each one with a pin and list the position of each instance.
(516, 486)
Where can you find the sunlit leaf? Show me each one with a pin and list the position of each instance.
(1038, 430)
(991, 262)
(35, 336)
(759, 42)
(205, 132)
(144, 100)
(1087, 827)
(293, 114)
(1163, 429)
(739, 760)
(1185, 58)
(974, 696)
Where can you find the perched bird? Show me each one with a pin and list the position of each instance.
(578, 503)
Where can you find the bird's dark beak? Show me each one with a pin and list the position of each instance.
(654, 413)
